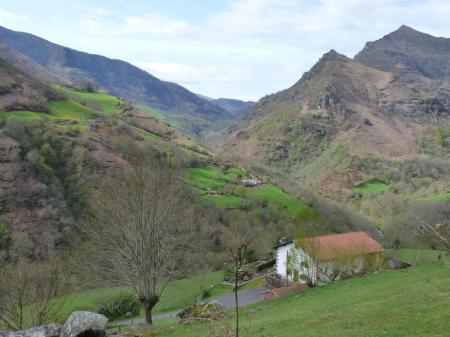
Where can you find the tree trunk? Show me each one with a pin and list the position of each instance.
(148, 303)
(236, 300)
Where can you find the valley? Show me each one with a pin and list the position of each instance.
(126, 196)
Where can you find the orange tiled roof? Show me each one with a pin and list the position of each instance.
(331, 247)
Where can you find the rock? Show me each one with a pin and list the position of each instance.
(52, 330)
(396, 264)
(84, 324)
(209, 311)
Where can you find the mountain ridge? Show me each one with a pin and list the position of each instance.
(341, 114)
(407, 50)
(116, 77)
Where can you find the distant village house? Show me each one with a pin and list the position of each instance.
(251, 182)
(324, 259)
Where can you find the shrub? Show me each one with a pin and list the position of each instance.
(123, 304)
(206, 293)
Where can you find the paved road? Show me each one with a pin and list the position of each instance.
(245, 297)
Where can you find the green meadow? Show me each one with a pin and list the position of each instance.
(371, 187)
(177, 295)
(227, 181)
(438, 197)
(394, 303)
(107, 103)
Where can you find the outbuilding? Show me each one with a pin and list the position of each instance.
(328, 258)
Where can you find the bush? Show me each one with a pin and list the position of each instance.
(123, 304)
(206, 293)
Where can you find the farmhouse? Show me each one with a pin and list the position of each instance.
(324, 259)
(251, 182)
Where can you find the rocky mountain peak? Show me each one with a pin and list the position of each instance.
(408, 51)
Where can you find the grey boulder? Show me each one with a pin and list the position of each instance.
(51, 330)
(84, 324)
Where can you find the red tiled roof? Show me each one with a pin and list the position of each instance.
(331, 247)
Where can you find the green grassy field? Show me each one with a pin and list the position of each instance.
(177, 294)
(418, 256)
(106, 102)
(223, 201)
(27, 115)
(208, 178)
(439, 197)
(157, 114)
(408, 302)
(69, 109)
(273, 194)
(371, 187)
(237, 196)
(63, 118)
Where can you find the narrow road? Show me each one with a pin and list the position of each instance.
(245, 297)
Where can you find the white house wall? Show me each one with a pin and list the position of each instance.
(298, 256)
(304, 265)
(320, 272)
(282, 259)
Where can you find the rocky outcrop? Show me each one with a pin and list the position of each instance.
(51, 330)
(79, 324)
(84, 324)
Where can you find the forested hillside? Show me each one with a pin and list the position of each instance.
(365, 137)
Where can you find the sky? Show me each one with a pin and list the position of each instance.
(242, 49)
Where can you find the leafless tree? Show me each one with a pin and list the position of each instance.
(239, 239)
(437, 234)
(140, 230)
(38, 287)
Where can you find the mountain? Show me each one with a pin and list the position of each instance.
(56, 144)
(18, 91)
(344, 124)
(27, 65)
(233, 106)
(409, 51)
(116, 77)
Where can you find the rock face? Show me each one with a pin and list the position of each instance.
(51, 330)
(84, 324)
(409, 51)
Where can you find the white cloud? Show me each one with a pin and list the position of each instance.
(249, 48)
(10, 19)
(106, 22)
(157, 25)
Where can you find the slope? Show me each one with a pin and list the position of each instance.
(117, 77)
(409, 51)
(409, 302)
(19, 91)
(58, 143)
(344, 123)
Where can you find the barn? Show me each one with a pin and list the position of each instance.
(324, 259)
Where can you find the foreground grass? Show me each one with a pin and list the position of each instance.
(409, 302)
(177, 295)
(418, 256)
